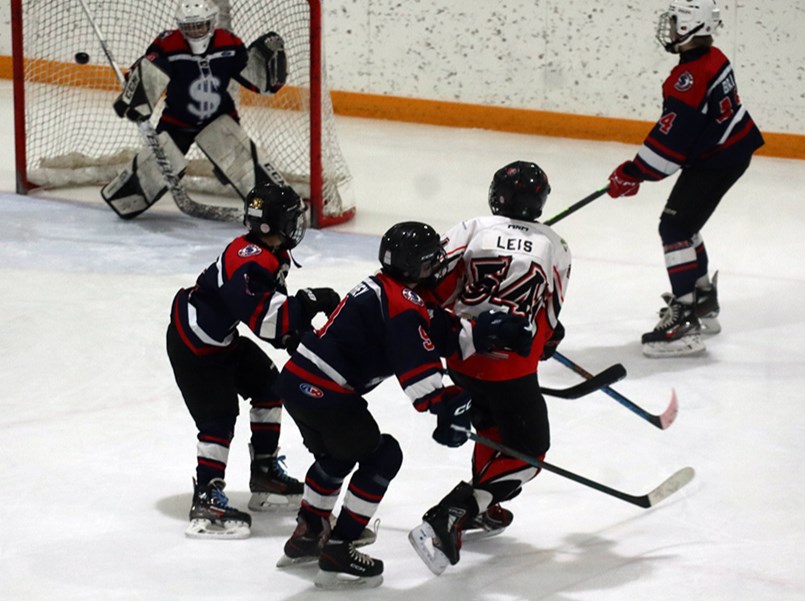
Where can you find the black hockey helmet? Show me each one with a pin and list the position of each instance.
(519, 190)
(274, 209)
(412, 251)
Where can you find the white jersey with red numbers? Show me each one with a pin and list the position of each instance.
(509, 265)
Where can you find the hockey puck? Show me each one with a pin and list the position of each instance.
(82, 58)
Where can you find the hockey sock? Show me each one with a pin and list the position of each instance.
(681, 260)
(367, 486)
(264, 418)
(212, 453)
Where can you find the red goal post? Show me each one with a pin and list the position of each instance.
(67, 134)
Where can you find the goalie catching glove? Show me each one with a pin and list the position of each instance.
(267, 69)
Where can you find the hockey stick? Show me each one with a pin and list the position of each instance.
(662, 421)
(668, 487)
(149, 135)
(576, 206)
(610, 375)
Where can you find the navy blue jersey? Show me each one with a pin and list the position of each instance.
(245, 285)
(381, 329)
(197, 92)
(703, 122)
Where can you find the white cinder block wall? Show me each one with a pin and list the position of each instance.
(572, 56)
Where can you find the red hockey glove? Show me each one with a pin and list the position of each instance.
(621, 183)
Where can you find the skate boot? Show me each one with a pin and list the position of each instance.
(211, 515)
(305, 543)
(677, 333)
(341, 566)
(491, 522)
(707, 308)
(271, 486)
(437, 540)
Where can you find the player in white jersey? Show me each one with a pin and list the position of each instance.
(507, 262)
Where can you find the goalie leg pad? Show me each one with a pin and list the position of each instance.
(234, 156)
(139, 186)
(144, 87)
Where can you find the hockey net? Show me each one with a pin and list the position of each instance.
(71, 136)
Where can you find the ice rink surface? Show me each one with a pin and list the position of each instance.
(99, 450)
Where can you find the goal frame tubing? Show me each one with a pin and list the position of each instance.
(318, 219)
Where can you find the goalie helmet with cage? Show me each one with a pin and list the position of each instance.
(196, 20)
(519, 191)
(275, 209)
(685, 20)
(412, 252)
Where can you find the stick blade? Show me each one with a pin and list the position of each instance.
(669, 415)
(670, 486)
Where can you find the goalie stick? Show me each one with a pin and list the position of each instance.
(577, 205)
(662, 421)
(610, 375)
(186, 204)
(666, 488)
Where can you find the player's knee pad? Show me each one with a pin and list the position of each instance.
(141, 184)
(386, 459)
(672, 232)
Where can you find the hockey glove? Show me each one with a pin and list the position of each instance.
(271, 47)
(550, 346)
(496, 330)
(623, 182)
(453, 409)
(317, 300)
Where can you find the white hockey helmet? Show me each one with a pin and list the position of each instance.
(196, 20)
(686, 19)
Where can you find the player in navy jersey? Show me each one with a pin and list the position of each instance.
(382, 328)
(511, 263)
(214, 364)
(706, 133)
(193, 65)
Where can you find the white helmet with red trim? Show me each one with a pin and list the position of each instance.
(196, 20)
(686, 19)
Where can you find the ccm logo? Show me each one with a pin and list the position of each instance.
(311, 390)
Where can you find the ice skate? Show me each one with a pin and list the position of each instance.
(678, 333)
(437, 540)
(212, 517)
(491, 522)
(707, 307)
(342, 566)
(271, 486)
(305, 543)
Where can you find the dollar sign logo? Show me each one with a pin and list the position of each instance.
(204, 91)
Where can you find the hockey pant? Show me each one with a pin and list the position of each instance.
(211, 385)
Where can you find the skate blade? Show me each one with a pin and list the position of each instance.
(339, 581)
(268, 501)
(687, 345)
(285, 561)
(230, 530)
(476, 534)
(710, 325)
(421, 539)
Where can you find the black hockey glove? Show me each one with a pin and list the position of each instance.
(550, 346)
(453, 409)
(317, 300)
(496, 330)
